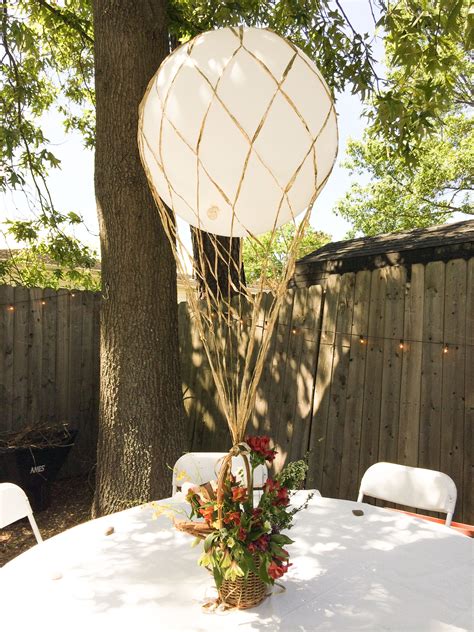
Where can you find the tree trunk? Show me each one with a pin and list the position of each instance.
(218, 263)
(141, 419)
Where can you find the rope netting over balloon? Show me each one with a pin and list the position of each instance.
(237, 135)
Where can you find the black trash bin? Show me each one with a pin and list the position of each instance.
(33, 467)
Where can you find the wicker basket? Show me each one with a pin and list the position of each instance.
(241, 592)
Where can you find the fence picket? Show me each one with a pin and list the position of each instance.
(369, 445)
(468, 465)
(323, 383)
(349, 478)
(7, 346)
(334, 443)
(409, 420)
(432, 366)
(453, 405)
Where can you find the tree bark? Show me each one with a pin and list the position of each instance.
(141, 418)
(218, 263)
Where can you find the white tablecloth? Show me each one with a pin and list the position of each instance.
(380, 571)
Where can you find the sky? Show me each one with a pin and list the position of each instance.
(72, 186)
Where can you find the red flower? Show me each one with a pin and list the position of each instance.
(233, 517)
(239, 494)
(276, 570)
(207, 513)
(281, 493)
(261, 445)
(242, 534)
(271, 486)
(282, 497)
(260, 544)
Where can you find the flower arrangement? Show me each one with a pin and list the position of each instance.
(243, 538)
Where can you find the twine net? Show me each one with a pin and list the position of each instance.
(234, 322)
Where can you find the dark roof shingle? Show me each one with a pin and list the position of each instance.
(395, 242)
(422, 245)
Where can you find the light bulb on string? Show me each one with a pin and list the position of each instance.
(362, 340)
(445, 348)
(401, 345)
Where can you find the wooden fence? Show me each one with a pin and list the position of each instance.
(49, 364)
(377, 366)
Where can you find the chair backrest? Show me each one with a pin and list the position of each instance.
(201, 467)
(412, 486)
(14, 505)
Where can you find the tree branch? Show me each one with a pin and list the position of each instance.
(45, 201)
(68, 18)
(447, 207)
(348, 22)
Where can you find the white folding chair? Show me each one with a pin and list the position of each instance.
(14, 504)
(412, 486)
(201, 467)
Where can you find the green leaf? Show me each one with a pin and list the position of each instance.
(263, 571)
(280, 538)
(209, 541)
(218, 576)
(74, 218)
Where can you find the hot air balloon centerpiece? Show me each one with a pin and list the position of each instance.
(238, 136)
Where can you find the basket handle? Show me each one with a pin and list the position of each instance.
(226, 468)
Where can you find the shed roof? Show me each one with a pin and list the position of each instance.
(421, 245)
(395, 242)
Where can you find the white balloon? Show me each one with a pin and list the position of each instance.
(238, 131)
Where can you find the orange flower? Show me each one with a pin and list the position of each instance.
(232, 517)
(207, 513)
(239, 494)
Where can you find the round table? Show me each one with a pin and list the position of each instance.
(379, 571)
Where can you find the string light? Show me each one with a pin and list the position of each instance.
(403, 344)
